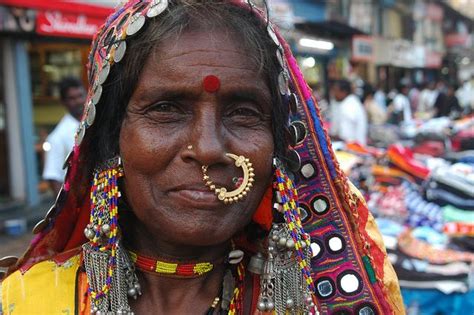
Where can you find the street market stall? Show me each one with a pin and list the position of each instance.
(421, 191)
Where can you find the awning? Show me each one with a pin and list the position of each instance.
(328, 29)
(52, 18)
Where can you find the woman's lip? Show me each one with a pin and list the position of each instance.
(196, 198)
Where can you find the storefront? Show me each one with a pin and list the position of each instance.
(42, 42)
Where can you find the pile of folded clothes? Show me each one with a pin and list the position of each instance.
(424, 207)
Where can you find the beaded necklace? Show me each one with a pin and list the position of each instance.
(169, 268)
(193, 270)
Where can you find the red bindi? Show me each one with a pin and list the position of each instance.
(211, 84)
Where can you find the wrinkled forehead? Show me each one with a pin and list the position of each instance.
(110, 46)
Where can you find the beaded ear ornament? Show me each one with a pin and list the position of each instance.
(286, 285)
(103, 251)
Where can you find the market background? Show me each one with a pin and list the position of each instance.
(416, 177)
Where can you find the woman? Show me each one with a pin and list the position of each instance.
(178, 180)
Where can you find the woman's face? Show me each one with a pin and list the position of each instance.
(170, 110)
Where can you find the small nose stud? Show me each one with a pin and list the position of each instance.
(190, 147)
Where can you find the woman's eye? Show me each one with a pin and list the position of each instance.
(243, 111)
(164, 107)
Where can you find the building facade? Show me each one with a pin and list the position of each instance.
(41, 42)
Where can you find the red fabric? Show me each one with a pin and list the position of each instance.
(403, 158)
(432, 148)
(263, 216)
(359, 148)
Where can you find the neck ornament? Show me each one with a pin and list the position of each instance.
(170, 268)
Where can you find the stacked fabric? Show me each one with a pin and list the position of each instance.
(403, 158)
(452, 188)
(424, 205)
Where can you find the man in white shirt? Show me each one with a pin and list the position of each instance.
(427, 98)
(349, 119)
(401, 105)
(61, 139)
(465, 95)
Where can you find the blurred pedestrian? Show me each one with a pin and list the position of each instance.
(447, 103)
(414, 97)
(380, 97)
(349, 121)
(376, 113)
(400, 108)
(61, 139)
(427, 98)
(465, 95)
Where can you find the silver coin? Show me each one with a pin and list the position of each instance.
(8, 261)
(273, 35)
(91, 111)
(61, 197)
(92, 72)
(66, 161)
(40, 226)
(104, 73)
(80, 134)
(136, 25)
(294, 103)
(294, 160)
(283, 83)
(97, 95)
(51, 212)
(157, 7)
(120, 50)
(280, 59)
(298, 131)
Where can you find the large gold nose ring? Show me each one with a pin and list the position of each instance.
(238, 194)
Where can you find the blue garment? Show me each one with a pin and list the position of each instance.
(443, 198)
(421, 212)
(434, 302)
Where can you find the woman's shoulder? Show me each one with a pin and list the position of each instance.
(47, 287)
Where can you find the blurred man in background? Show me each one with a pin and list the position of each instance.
(61, 139)
(376, 113)
(447, 104)
(401, 108)
(427, 98)
(380, 97)
(349, 119)
(465, 95)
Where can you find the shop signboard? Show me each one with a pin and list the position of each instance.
(398, 53)
(55, 23)
(17, 20)
(433, 60)
(362, 48)
(457, 40)
(52, 18)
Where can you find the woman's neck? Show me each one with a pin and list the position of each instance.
(168, 295)
(138, 238)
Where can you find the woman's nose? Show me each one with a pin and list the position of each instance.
(207, 141)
